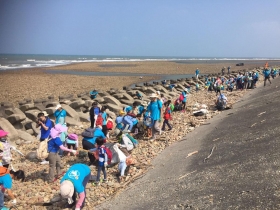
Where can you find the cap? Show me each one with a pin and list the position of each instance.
(58, 106)
(3, 133)
(45, 113)
(121, 112)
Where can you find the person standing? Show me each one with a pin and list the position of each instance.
(75, 181)
(228, 69)
(184, 93)
(94, 112)
(154, 108)
(54, 144)
(45, 125)
(266, 73)
(104, 117)
(60, 115)
(167, 116)
(197, 73)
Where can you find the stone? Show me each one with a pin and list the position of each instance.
(32, 114)
(84, 117)
(14, 118)
(112, 100)
(51, 104)
(72, 121)
(127, 102)
(31, 156)
(77, 104)
(26, 107)
(113, 107)
(71, 112)
(8, 127)
(50, 110)
(25, 136)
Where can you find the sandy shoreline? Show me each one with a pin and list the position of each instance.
(36, 84)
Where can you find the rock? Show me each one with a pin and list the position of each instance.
(32, 114)
(25, 136)
(26, 107)
(72, 122)
(127, 102)
(114, 108)
(50, 110)
(71, 112)
(51, 104)
(77, 104)
(14, 118)
(112, 100)
(84, 117)
(7, 126)
(31, 156)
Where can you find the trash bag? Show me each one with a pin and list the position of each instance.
(115, 157)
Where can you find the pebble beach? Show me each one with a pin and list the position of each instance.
(36, 83)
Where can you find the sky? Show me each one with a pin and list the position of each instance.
(182, 28)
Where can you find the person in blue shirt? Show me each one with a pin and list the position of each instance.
(138, 95)
(119, 120)
(6, 184)
(75, 181)
(102, 161)
(266, 73)
(45, 125)
(54, 144)
(93, 112)
(184, 93)
(228, 69)
(89, 142)
(104, 116)
(197, 73)
(93, 94)
(127, 109)
(60, 115)
(154, 108)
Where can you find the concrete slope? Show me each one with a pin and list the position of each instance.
(242, 173)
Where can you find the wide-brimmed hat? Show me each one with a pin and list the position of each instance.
(3, 133)
(57, 130)
(144, 103)
(153, 95)
(58, 106)
(66, 189)
(73, 136)
(186, 89)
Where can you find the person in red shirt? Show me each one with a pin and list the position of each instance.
(167, 116)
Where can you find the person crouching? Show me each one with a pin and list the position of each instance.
(75, 181)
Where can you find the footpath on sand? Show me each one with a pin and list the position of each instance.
(231, 163)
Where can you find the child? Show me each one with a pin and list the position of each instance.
(104, 116)
(197, 87)
(102, 160)
(6, 149)
(167, 116)
(72, 142)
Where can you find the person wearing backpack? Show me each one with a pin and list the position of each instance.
(102, 160)
(60, 115)
(45, 125)
(93, 112)
(167, 116)
(6, 177)
(54, 144)
(154, 108)
(89, 139)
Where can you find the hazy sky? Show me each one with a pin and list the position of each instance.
(213, 28)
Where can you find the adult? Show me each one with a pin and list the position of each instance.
(266, 73)
(228, 69)
(184, 93)
(94, 112)
(89, 142)
(54, 144)
(6, 183)
(197, 73)
(154, 108)
(221, 101)
(59, 114)
(223, 71)
(45, 125)
(75, 181)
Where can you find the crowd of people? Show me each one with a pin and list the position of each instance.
(141, 119)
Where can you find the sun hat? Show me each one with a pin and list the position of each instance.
(3, 133)
(67, 190)
(153, 95)
(186, 89)
(58, 106)
(144, 103)
(57, 130)
(73, 136)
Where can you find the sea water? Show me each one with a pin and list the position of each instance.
(14, 61)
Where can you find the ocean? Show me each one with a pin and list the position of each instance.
(14, 61)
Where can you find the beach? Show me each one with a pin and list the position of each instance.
(38, 83)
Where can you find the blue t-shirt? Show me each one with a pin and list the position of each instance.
(60, 116)
(45, 133)
(97, 133)
(54, 144)
(76, 174)
(6, 181)
(197, 72)
(154, 108)
(140, 109)
(185, 96)
(104, 116)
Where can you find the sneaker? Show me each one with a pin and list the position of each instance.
(105, 181)
(170, 129)
(97, 183)
(44, 162)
